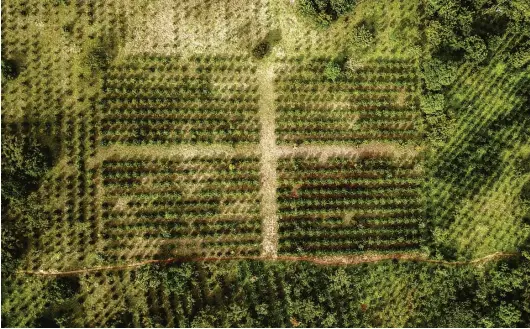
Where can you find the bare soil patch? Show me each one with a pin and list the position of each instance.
(269, 161)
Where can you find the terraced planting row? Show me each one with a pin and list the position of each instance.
(161, 100)
(344, 206)
(170, 207)
(374, 101)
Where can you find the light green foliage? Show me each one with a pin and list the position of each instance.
(475, 184)
(332, 71)
(521, 58)
(432, 104)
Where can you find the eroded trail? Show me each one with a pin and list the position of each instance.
(323, 260)
(181, 151)
(369, 150)
(269, 161)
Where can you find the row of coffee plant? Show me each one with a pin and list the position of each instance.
(320, 102)
(175, 207)
(349, 205)
(156, 100)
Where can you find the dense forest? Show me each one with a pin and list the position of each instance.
(472, 72)
(261, 294)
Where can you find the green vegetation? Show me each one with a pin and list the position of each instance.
(332, 71)
(159, 100)
(326, 11)
(348, 206)
(328, 163)
(258, 294)
(24, 164)
(190, 224)
(318, 103)
(477, 123)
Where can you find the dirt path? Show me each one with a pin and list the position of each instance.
(327, 151)
(182, 151)
(269, 161)
(324, 260)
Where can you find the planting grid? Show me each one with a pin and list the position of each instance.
(207, 198)
(186, 145)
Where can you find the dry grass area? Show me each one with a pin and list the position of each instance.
(171, 151)
(154, 30)
(196, 27)
(371, 150)
(226, 26)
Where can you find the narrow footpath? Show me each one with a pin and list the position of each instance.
(269, 161)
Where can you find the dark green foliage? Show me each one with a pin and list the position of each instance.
(276, 294)
(438, 74)
(525, 193)
(24, 163)
(326, 11)
(65, 309)
(261, 50)
(10, 69)
(61, 302)
(475, 48)
(468, 26)
(100, 56)
(265, 46)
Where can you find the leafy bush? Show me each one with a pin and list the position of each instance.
(10, 69)
(325, 11)
(261, 50)
(332, 71)
(363, 37)
(438, 74)
(24, 163)
(520, 58)
(432, 104)
(101, 55)
(476, 49)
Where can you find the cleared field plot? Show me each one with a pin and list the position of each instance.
(157, 208)
(159, 100)
(377, 102)
(227, 26)
(349, 205)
